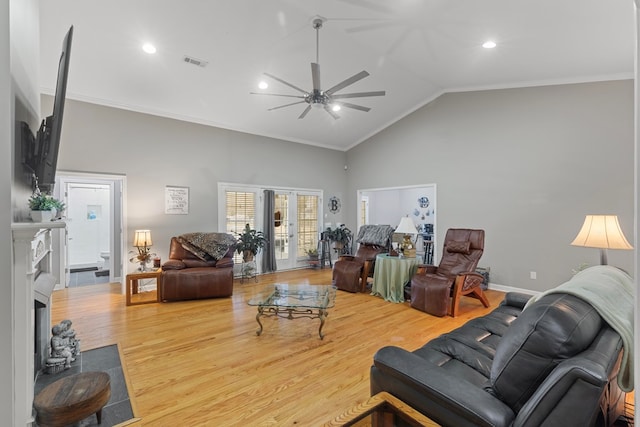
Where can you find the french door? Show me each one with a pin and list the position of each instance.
(285, 230)
(296, 219)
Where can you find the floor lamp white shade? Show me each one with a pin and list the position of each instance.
(602, 232)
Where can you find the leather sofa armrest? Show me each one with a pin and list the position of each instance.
(565, 389)
(436, 391)
(346, 258)
(173, 264)
(426, 269)
(516, 299)
(224, 262)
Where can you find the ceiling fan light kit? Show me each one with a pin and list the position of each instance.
(317, 98)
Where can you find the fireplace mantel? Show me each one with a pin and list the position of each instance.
(32, 250)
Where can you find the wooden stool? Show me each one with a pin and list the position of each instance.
(72, 399)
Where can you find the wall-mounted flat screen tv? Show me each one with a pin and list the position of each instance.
(41, 152)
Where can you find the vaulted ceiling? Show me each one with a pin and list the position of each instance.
(415, 50)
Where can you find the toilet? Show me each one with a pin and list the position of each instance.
(105, 256)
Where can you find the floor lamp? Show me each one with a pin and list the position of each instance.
(603, 232)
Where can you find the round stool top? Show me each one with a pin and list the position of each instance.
(74, 397)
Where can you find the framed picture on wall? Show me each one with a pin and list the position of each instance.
(176, 200)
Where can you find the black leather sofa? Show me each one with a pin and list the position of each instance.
(553, 364)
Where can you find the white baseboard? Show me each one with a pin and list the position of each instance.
(503, 288)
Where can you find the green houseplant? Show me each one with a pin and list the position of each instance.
(341, 236)
(250, 242)
(44, 207)
(312, 253)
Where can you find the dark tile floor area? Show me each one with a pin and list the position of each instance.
(106, 359)
(86, 278)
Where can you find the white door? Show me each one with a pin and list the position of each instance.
(93, 214)
(296, 219)
(298, 227)
(285, 230)
(88, 224)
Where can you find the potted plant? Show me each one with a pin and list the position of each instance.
(341, 237)
(44, 207)
(312, 254)
(249, 243)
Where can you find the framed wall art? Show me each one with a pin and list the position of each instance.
(176, 200)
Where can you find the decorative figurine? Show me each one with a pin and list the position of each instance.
(59, 347)
(70, 335)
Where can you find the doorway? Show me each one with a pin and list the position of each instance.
(94, 228)
(388, 205)
(296, 220)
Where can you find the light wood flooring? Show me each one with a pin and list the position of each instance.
(200, 363)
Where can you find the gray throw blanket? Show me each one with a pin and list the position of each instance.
(207, 246)
(611, 292)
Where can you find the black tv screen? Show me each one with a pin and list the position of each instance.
(45, 158)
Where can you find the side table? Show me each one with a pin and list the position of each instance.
(133, 288)
(248, 271)
(72, 399)
(390, 274)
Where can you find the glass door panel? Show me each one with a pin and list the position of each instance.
(285, 225)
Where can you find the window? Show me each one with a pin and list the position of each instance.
(240, 209)
(307, 222)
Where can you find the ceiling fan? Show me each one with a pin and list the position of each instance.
(328, 99)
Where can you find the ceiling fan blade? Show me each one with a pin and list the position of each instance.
(276, 94)
(354, 106)
(285, 105)
(351, 80)
(284, 82)
(304, 113)
(331, 113)
(359, 94)
(315, 75)
(370, 5)
(372, 26)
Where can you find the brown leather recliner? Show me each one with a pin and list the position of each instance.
(185, 276)
(437, 290)
(350, 272)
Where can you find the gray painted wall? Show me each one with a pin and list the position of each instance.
(6, 137)
(524, 164)
(154, 152)
(19, 101)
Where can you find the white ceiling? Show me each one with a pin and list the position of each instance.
(415, 50)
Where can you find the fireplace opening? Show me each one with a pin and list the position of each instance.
(41, 336)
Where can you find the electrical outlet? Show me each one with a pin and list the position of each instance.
(532, 275)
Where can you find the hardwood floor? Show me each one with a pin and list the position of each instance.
(200, 363)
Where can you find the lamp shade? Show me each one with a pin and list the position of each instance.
(142, 238)
(601, 231)
(406, 226)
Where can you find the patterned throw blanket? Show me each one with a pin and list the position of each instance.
(375, 234)
(207, 246)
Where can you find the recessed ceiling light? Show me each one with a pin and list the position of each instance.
(335, 107)
(489, 44)
(149, 48)
(263, 85)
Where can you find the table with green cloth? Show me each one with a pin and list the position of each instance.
(390, 275)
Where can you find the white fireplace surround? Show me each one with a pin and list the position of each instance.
(32, 279)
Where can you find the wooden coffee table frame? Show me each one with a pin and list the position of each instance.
(384, 409)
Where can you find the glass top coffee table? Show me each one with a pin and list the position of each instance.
(294, 301)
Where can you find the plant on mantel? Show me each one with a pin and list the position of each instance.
(44, 202)
(44, 207)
